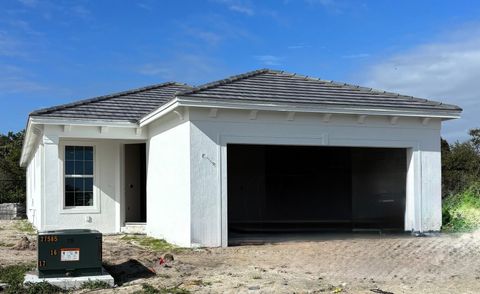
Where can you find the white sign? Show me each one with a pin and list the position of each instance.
(70, 254)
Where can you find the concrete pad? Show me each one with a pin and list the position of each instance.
(69, 282)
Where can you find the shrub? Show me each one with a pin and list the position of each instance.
(461, 211)
(460, 167)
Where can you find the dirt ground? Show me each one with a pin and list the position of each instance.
(361, 263)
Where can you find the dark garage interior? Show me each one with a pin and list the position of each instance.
(279, 189)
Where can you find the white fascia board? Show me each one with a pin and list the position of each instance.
(316, 109)
(159, 112)
(28, 143)
(81, 122)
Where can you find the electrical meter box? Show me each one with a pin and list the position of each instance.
(69, 253)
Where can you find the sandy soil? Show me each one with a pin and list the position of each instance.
(446, 263)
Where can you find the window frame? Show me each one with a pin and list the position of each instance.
(95, 208)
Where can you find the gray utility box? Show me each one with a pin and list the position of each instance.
(66, 253)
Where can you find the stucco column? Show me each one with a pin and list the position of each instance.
(50, 195)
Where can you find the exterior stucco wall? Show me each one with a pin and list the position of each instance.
(186, 168)
(50, 213)
(34, 188)
(209, 136)
(168, 180)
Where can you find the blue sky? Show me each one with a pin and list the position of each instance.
(53, 52)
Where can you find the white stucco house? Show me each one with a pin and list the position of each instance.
(265, 151)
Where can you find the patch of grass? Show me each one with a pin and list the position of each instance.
(461, 212)
(149, 289)
(93, 285)
(14, 275)
(151, 243)
(41, 288)
(257, 277)
(25, 226)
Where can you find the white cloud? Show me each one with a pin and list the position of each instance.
(333, 6)
(184, 67)
(269, 60)
(243, 7)
(10, 46)
(209, 37)
(447, 70)
(14, 79)
(298, 46)
(29, 3)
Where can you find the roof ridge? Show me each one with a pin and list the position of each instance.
(103, 97)
(228, 80)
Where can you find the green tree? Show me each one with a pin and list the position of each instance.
(12, 176)
(460, 164)
(475, 138)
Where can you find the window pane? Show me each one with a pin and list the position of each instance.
(69, 167)
(79, 163)
(88, 153)
(78, 153)
(78, 167)
(88, 198)
(69, 152)
(88, 184)
(69, 199)
(79, 199)
(88, 167)
(69, 184)
(79, 184)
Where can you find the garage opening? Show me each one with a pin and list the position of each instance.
(273, 188)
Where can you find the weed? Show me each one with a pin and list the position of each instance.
(149, 289)
(25, 226)
(41, 288)
(461, 212)
(13, 275)
(337, 290)
(257, 277)
(92, 285)
(151, 243)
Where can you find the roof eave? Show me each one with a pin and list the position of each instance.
(298, 107)
(81, 121)
(32, 133)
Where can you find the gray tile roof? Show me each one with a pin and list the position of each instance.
(260, 86)
(124, 106)
(271, 86)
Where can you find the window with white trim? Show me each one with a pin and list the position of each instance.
(78, 172)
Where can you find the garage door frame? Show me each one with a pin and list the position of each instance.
(412, 206)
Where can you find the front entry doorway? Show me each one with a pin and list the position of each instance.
(135, 183)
